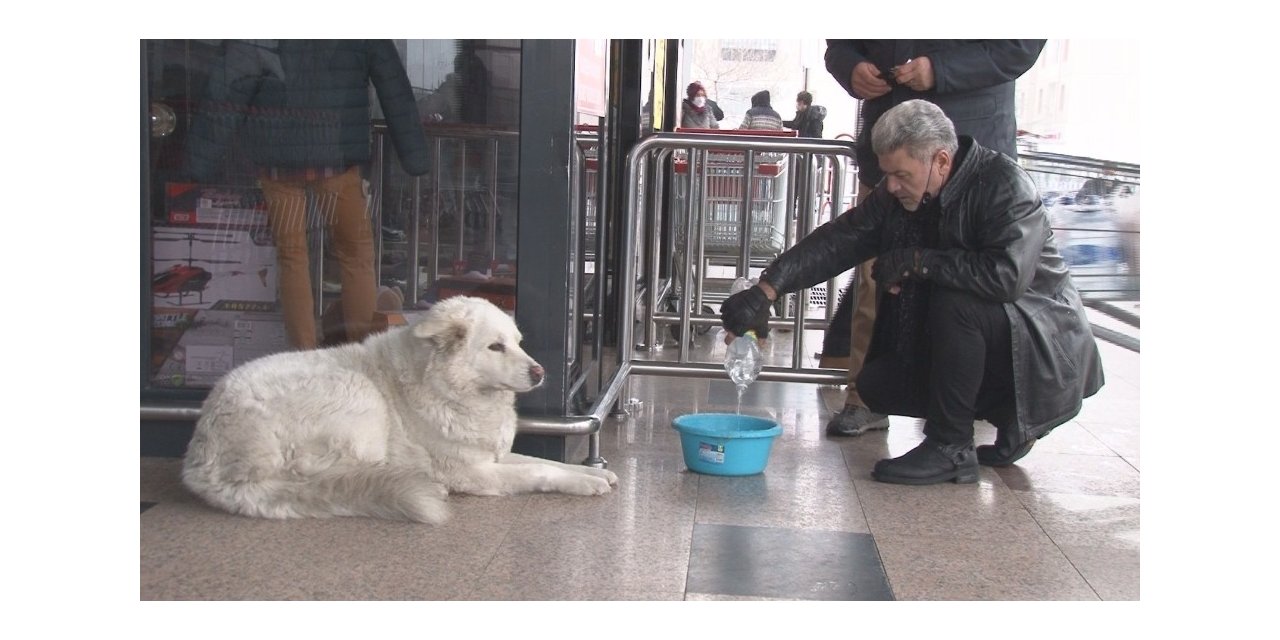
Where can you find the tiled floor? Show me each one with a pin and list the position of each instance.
(1063, 524)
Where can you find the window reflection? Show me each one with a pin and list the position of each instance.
(217, 289)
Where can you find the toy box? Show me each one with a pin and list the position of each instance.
(195, 347)
(198, 267)
(223, 206)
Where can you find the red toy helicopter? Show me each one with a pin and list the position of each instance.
(187, 279)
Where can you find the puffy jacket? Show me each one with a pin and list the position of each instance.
(305, 104)
(808, 122)
(973, 84)
(995, 242)
(691, 119)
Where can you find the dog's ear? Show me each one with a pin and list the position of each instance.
(446, 330)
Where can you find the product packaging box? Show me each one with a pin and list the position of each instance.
(222, 206)
(198, 267)
(195, 347)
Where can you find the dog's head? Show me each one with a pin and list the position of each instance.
(481, 343)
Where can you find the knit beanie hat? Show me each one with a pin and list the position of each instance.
(694, 88)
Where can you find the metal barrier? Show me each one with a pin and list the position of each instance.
(1094, 211)
(710, 151)
(738, 203)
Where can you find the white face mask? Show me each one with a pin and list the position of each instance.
(699, 101)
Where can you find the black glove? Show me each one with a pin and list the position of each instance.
(896, 265)
(746, 310)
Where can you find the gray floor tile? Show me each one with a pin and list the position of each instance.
(812, 496)
(785, 563)
(1086, 520)
(573, 560)
(1122, 438)
(720, 597)
(1072, 474)
(931, 568)
(1071, 438)
(191, 552)
(1113, 573)
(986, 510)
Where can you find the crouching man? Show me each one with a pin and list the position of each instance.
(977, 316)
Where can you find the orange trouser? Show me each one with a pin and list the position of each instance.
(864, 317)
(341, 205)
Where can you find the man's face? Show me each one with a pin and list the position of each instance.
(800, 106)
(907, 178)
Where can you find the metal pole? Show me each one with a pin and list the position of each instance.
(693, 220)
(493, 203)
(415, 251)
(374, 203)
(462, 205)
(745, 217)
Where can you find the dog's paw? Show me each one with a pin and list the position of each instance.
(605, 474)
(425, 502)
(583, 485)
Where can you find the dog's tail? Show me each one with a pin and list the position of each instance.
(379, 492)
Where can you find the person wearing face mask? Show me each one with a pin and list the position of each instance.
(695, 113)
(976, 313)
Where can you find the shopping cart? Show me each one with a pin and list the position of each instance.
(743, 211)
(722, 192)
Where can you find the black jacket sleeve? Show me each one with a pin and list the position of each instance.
(835, 247)
(395, 94)
(842, 56)
(981, 64)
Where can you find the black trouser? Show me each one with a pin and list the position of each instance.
(969, 373)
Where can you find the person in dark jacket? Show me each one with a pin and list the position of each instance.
(972, 81)
(977, 316)
(715, 109)
(809, 117)
(300, 109)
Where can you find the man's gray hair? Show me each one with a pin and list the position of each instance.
(918, 126)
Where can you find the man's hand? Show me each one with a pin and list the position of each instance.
(866, 81)
(916, 73)
(896, 265)
(746, 310)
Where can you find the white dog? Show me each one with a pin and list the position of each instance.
(385, 428)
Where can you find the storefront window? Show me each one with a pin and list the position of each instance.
(308, 193)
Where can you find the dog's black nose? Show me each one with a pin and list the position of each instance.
(536, 373)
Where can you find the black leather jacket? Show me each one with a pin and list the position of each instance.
(995, 242)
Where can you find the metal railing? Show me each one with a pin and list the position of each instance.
(1094, 211)
(696, 146)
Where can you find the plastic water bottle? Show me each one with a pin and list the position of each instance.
(742, 359)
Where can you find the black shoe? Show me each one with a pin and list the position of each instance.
(930, 462)
(854, 421)
(1001, 455)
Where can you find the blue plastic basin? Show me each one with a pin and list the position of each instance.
(726, 444)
